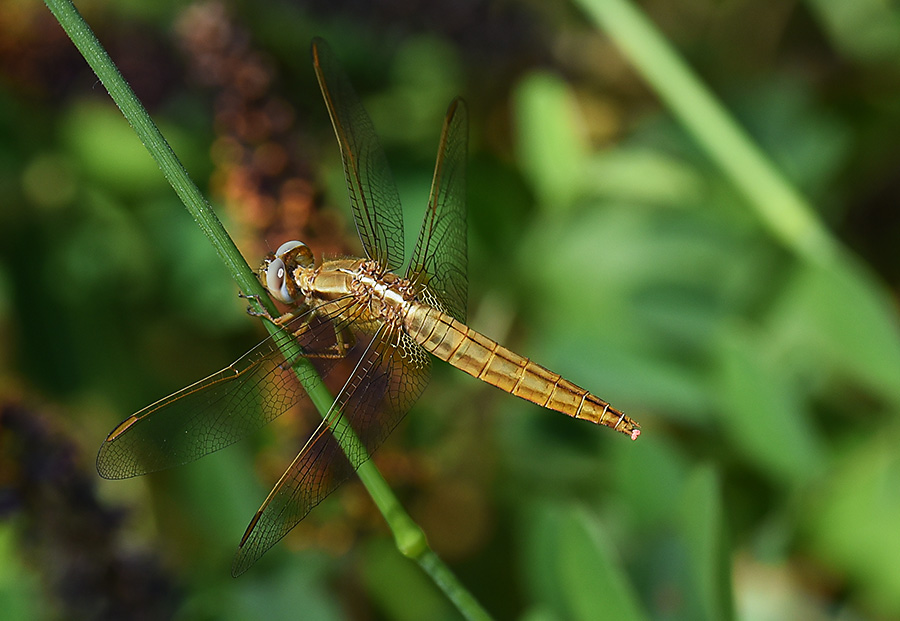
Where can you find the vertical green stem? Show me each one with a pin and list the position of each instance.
(409, 537)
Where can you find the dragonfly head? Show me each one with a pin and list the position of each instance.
(277, 269)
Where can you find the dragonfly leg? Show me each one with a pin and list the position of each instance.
(252, 311)
(283, 319)
(264, 313)
(344, 340)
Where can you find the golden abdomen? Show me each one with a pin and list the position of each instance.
(481, 357)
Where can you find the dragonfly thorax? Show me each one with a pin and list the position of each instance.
(385, 295)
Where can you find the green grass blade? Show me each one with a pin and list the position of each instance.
(776, 202)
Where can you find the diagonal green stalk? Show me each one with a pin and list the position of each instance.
(777, 204)
(408, 535)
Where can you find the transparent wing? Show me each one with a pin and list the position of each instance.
(226, 406)
(439, 261)
(390, 375)
(373, 193)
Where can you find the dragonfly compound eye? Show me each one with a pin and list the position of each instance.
(276, 280)
(295, 253)
(286, 247)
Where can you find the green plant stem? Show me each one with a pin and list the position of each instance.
(778, 205)
(409, 537)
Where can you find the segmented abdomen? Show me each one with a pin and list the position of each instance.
(481, 357)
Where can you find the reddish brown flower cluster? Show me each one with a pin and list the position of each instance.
(260, 175)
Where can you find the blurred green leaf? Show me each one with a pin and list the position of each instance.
(572, 569)
(808, 142)
(651, 478)
(550, 147)
(20, 595)
(774, 201)
(110, 154)
(762, 413)
(852, 519)
(296, 589)
(631, 295)
(709, 565)
(840, 315)
(221, 493)
(868, 30)
(199, 286)
(622, 173)
(539, 613)
(594, 583)
(425, 78)
(400, 587)
(107, 149)
(49, 181)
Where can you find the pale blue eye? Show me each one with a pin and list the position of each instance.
(276, 281)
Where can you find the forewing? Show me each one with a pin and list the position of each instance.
(439, 261)
(391, 374)
(373, 193)
(226, 406)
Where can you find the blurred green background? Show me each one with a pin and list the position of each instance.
(604, 243)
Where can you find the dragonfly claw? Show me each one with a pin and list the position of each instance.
(253, 312)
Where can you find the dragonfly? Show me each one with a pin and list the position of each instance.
(365, 325)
